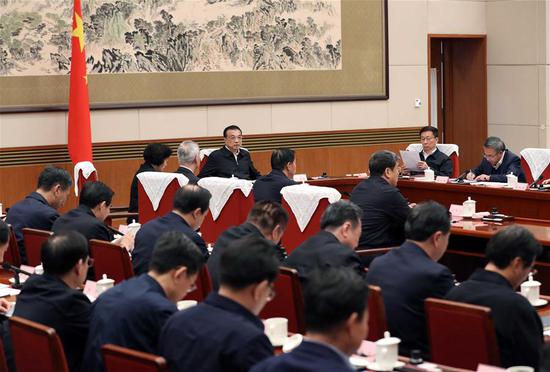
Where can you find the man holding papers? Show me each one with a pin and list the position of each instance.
(430, 156)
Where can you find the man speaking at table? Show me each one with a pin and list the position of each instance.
(230, 160)
(497, 163)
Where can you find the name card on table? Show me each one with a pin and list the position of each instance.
(90, 290)
(300, 177)
(441, 179)
(488, 368)
(521, 186)
(456, 210)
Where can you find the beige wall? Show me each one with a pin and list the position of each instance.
(518, 41)
(518, 85)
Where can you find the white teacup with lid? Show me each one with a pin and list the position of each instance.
(469, 207)
(104, 284)
(134, 227)
(512, 179)
(531, 289)
(386, 352)
(429, 174)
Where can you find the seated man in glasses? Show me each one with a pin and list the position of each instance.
(53, 299)
(132, 313)
(224, 333)
(497, 163)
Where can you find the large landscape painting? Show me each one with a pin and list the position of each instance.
(171, 52)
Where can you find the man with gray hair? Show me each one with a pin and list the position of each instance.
(334, 245)
(189, 160)
(497, 163)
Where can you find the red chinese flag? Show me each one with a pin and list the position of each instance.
(80, 135)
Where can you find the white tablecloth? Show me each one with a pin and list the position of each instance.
(537, 160)
(87, 169)
(222, 189)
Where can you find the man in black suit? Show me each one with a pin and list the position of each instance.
(133, 313)
(224, 333)
(511, 254)
(39, 209)
(283, 169)
(409, 274)
(189, 160)
(231, 160)
(334, 245)
(497, 163)
(190, 207)
(267, 220)
(93, 208)
(336, 316)
(384, 208)
(430, 156)
(155, 159)
(53, 299)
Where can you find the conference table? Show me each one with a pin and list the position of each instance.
(465, 253)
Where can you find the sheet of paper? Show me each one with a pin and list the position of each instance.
(410, 159)
(9, 292)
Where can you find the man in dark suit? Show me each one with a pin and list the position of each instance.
(93, 208)
(336, 322)
(430, 156)
(190, 207)
(384, 208)
(231, 160)
(155, 158)
(224, 333)
(39, 209)
(189, 160)
(133, 313)
(409, 274)
(334, 245)
(283, 169)
(267, 219)
(511, 254)
(52, 299)
(497, 163)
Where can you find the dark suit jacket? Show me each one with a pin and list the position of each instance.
(83, 220)
(323, 250)
(147, 236)
(511, 163)
(384, 213)
(133, 206)
(440, 163)
(219, 334)
(225, 239)
(33, 212)
(131, 315)
(269, 187)
(190, 175)
(48, 300)
(517, 324)
(307, 357)
(407, 276)
(221, 163)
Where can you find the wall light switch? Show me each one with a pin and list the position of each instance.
(417, 102)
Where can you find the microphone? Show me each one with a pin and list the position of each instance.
(16, 271)
(463, 175)
(534, 184)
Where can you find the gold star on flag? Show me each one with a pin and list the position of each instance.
(78, 31)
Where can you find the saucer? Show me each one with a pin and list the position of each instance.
(21, 280)
(373, 366)
(540, 302)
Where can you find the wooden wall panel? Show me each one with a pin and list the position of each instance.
(18, 181)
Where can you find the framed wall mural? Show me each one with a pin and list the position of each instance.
(189, 52)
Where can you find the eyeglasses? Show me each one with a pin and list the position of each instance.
(90, 262)
(235, 138)
(272, 292)
(192, 288)
(424, 139)
(491, 156)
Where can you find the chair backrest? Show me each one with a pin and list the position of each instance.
(288, 302)
(33, 240)
(204, 286)
(461, 335)
(121, 359)
(293, 236)
(145, 206)
(367, 255)
(535, 162)
(82, 180)
(377, 314)
(3, 360)
(12, 254)
(204, 153)
(110, 259)
(36, 347)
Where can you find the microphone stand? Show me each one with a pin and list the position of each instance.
(16, 271)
